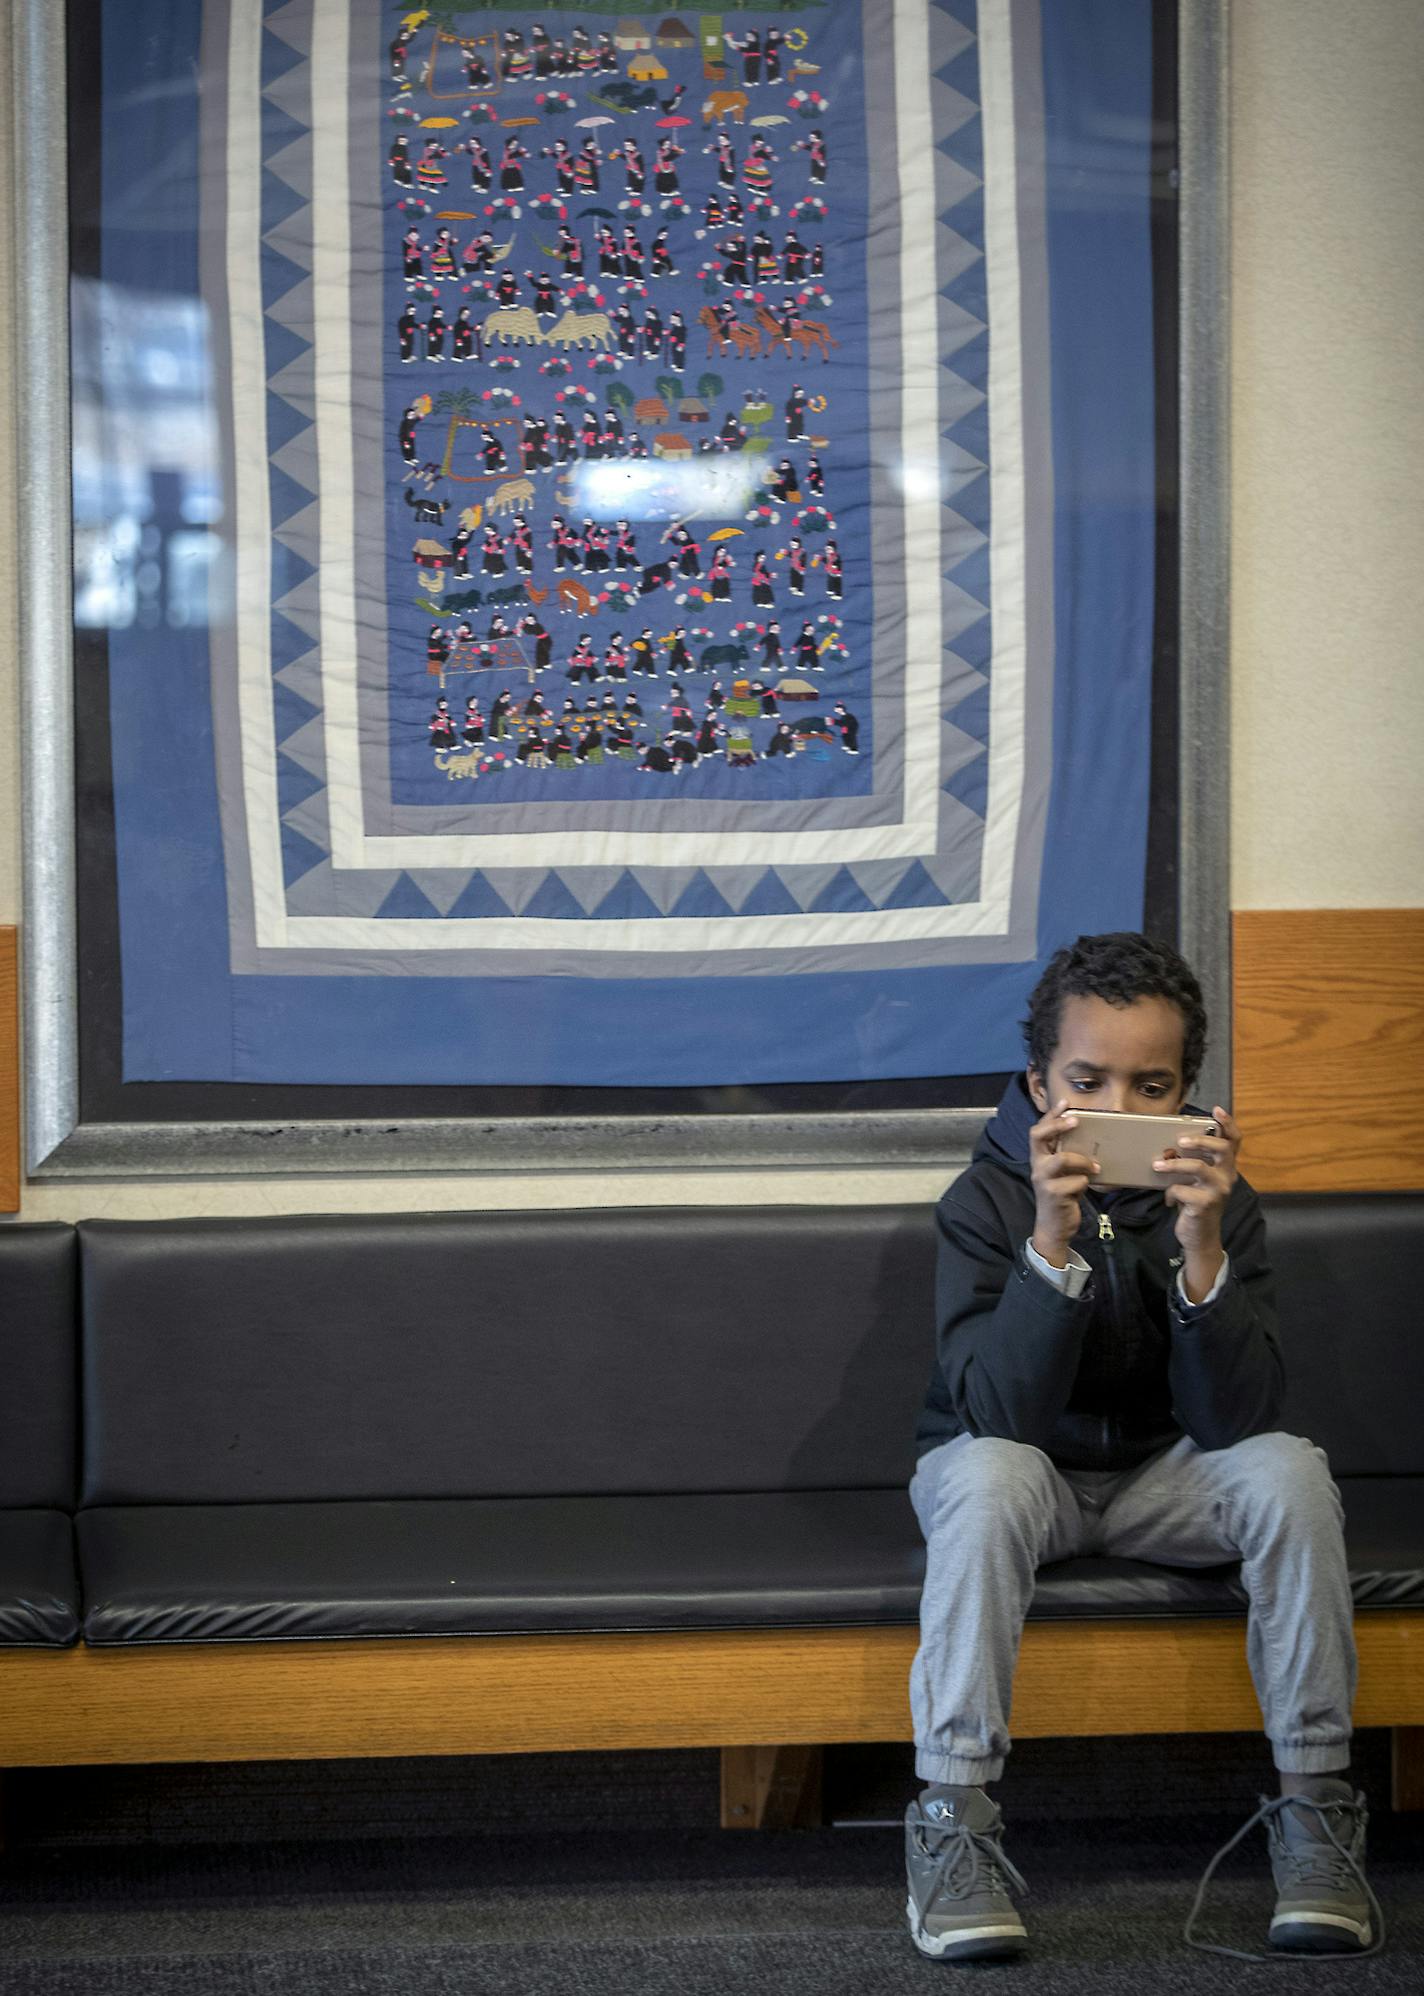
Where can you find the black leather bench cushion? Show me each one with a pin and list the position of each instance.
(551, 1354)
(38, 1367)
(1347, 1267)
(505, 1354)
(39, 1589)
(264, 1572)
(216, 1573)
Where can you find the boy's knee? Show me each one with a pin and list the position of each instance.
(994, 1478)
(1285, 1473)
(1280, 1457)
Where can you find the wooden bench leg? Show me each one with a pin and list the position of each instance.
(1407, 1767)
(771, 1788)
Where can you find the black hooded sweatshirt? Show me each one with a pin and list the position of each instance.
(1104, 1380)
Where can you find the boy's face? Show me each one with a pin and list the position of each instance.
(1124, 1058)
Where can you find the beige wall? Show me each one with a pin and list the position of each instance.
(1327, 386)
(1328, 528)
(9, 571)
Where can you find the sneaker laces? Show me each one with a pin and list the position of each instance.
(1334, 1865)
(965, 1859)
(1313, 1863)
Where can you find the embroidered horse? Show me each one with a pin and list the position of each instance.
(807, 333)
(746, 339)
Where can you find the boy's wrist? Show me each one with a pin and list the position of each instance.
(1200, 1268)
(1052, 1248)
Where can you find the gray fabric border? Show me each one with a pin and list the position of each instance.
(1039, 552)
(222, 638)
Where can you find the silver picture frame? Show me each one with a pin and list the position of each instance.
(59, 1144)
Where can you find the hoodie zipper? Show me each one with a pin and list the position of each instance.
(1107, 1240)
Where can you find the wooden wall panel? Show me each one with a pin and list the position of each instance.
(9, 1073)
(1329, 1048)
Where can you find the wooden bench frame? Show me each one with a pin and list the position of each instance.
(769, 1698)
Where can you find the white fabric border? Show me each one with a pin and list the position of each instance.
(1008, 573)
(252, 530)
(915, 835)
(331, 317)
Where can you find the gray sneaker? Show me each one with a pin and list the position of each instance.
(959, 1907)
(1318, 1860)
(1324, 1902)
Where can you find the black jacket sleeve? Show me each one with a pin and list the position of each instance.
(1227, 1374)
(1009, 1342)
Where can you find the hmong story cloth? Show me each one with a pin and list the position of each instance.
(683, 488)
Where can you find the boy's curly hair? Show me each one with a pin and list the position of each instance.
(1120, 967)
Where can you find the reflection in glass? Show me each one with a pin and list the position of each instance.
(698, 488)
(147, 494)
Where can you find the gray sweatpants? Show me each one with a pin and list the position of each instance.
(992, 1511)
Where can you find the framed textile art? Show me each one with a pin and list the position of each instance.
(624, 569)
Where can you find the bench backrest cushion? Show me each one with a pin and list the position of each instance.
(1351, 1298)
(451, 1355)
(38, 1367)
(713, 1349)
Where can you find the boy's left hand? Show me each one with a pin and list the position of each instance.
(1198, 1182)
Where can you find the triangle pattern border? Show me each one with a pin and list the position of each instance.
(286, 153)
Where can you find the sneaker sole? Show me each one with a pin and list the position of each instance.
(1319, 1933)
(968, 1943)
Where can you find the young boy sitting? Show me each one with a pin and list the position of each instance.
(1109, 1381)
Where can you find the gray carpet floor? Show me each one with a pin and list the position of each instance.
(591, 1878)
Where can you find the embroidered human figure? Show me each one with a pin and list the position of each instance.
(430, 175)
(635, 171)
(665, 170)
(481, 165)
(511, 166)
(831, 565)
(442, 726)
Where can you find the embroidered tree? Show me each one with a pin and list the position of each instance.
(461, 407)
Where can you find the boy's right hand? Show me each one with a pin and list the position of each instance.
(1060, 1178)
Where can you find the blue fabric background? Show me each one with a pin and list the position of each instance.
(185, 1017)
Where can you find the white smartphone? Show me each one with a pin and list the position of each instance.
(1127, 1147)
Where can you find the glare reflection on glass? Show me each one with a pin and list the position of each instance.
(919, 477)
(670, 489)
(145, 461)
